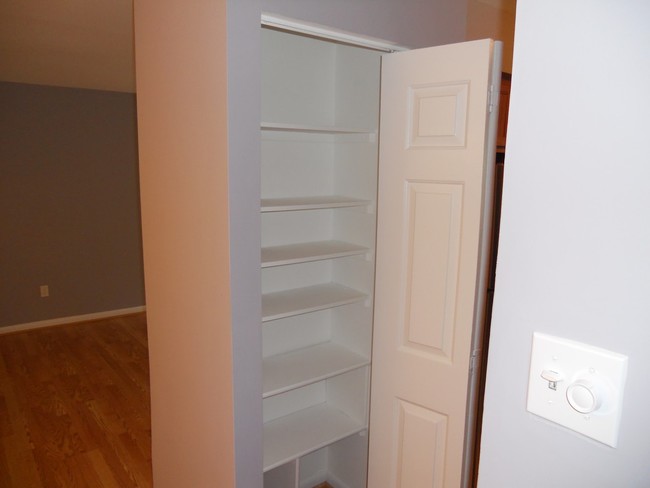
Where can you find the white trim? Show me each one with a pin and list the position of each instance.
(70, 320)
(323, 32)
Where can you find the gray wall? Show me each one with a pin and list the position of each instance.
(69, 203)
(574, 251)
(414, 23)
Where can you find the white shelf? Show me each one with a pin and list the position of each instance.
(299, 368)
(308, 251)
(319, 149)
(320, 129)
(310, 203)
(305, 431)
(286, 303)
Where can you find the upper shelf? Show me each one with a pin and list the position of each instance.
(318, 129)
(310, 203)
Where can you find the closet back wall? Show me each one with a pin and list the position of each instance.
(69, 203)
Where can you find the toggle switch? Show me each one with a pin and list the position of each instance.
(578, 386)
(553, 377)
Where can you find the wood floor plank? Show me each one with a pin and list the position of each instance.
(20, 468)
(5, 466)
(74, 406)
(100, 465)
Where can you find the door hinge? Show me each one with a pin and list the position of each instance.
(491, 98)
(474, 361)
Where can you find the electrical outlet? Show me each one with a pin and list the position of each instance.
(45, 291)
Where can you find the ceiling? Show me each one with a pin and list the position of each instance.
(73, 43)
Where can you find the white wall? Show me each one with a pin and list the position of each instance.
(574, 253)
(182, 129)
(415, 23)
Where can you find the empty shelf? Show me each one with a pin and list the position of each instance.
(298, 368)
(310, 203)
(305, 431)
(286, 303)
(323, 129)
(308, 251)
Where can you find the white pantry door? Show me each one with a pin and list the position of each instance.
(435, 176)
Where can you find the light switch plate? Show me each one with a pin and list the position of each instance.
(578, 386)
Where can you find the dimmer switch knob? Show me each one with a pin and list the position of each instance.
(584, 396)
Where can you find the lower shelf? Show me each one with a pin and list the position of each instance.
(300, 433)
(294, 369)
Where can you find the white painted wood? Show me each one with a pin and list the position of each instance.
(344, 459)
(305, 431)
(277, 126)
(297, 80)
(290, 227)
(288, 277)
(308, 251)
(310, 203)
(70, 320)
(345, 413)
(295, 164)
(338, 464)
(479, 348)
(301, 89)
(352, 325)
(279, 406)
(282, 477)
(335, 391)
(324, 32)
(319, 152)
(298, 368)
(357, 88)
(433, 170)
(281, 304)
(313, 468)
(297, 332)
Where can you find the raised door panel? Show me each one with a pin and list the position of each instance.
(434, 176)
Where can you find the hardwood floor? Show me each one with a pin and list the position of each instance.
(74, 406)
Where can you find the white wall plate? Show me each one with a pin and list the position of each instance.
(578, 386)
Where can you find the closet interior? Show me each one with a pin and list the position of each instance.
(319, 140)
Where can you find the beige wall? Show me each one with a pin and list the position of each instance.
(181, 70)
(494, 19)
(72, 43)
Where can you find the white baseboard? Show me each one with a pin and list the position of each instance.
(70, 320)
(314, 479)
(336, 483)
(320, 477)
